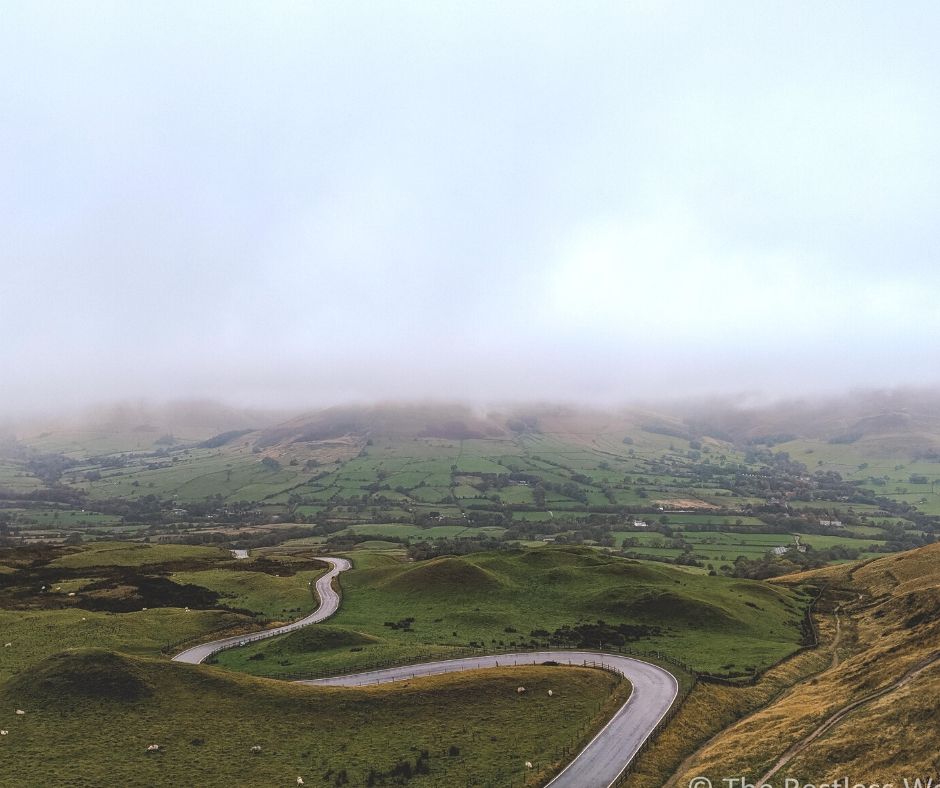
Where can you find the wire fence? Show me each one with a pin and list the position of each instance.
(469, 651)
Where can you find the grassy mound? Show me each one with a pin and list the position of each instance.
(74, 677)
(768, 592)
(35, 635)
(669, 608)
(446, 575)
(559, 557)
(320, 638)
(635, 572)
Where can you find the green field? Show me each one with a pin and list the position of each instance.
(387, 472)
(274, 597)
(821, 541)
(130, 554)
(499, 599)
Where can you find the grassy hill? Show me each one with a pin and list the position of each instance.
(91, 715)
(547, 595)
(884, 658)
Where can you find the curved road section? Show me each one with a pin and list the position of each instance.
(329, 604)
(601, 762)
(598, 765)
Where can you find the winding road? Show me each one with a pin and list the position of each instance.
(329, 604)
(601, 761)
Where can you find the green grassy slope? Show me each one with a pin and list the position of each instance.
(91, 714)
(34, 635)
(715, 624)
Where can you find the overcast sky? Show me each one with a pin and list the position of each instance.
(300, 203)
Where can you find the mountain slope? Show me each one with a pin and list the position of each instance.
(873, 712)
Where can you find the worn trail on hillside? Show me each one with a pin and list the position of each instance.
(838, 638)
(845, 711)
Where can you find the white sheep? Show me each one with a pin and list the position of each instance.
(520, 690)
(256, 748)
(528, 764)
(20, 712)
(153, 747)
(550, 693)
(300, 781)
(3, 733)
(7, 645)
(71, 593)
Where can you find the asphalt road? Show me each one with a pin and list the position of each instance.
(329, 604)
(612, 749)
(596, 766)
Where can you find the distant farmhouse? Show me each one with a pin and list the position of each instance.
(833, 523)
(786, 548)
(640, 524)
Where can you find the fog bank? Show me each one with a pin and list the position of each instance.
(292, 205)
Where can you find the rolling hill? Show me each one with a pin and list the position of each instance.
(561, 596)
(91, 715)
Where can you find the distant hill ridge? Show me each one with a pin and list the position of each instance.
(902, 423)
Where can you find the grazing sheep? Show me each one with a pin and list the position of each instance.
(528, 764)
(7, 645)
(71, 593)
(300, 781)
(20, 712)
(256, 748)
(3, 733)
(550, 693)
(520, 690)
(153, 748)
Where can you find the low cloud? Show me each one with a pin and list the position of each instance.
(305, 204)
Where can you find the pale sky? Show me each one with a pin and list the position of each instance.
(302, 203)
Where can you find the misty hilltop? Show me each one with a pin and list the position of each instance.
(901, 423)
